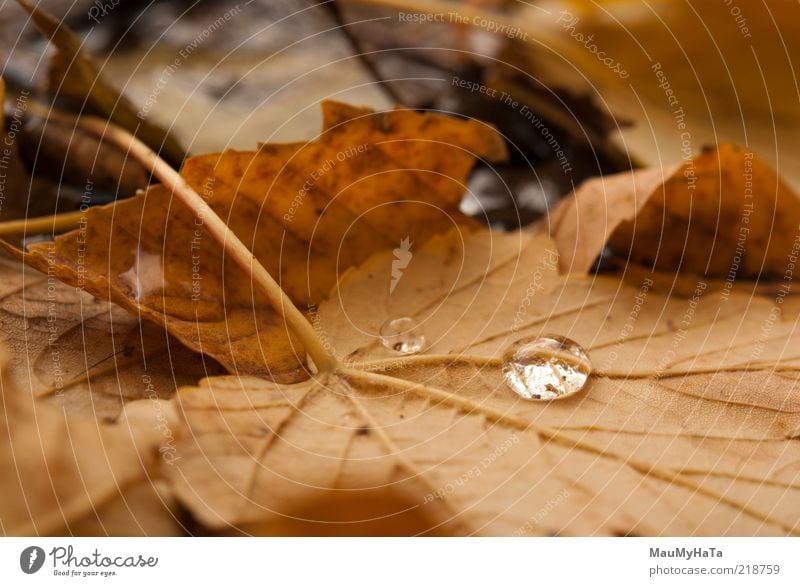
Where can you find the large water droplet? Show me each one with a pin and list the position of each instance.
(402, 335)
(546, 367)
(146, 276)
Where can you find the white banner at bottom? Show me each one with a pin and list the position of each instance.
(401, 561)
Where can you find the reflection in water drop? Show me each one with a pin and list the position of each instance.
(145, 276)
(402, 335)
(546, 367)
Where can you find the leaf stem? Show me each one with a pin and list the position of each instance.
(439, 360)
(231, 244)
(42, 224)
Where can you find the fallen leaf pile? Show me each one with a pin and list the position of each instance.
(688, 424)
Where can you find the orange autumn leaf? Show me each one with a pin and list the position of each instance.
(308, 211)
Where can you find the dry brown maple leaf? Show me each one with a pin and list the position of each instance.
(688, 425)
(307, 211)
(724, 213)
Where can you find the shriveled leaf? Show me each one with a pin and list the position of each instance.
(687, 426)
(723, 213)
(67, 154)
(308, 211)
(73, 75)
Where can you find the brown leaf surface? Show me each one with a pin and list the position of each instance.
(143, 509)
(74, 362)
(688, 425)
(723, 214)
(83, 355)
(308, 211)
(60, 474)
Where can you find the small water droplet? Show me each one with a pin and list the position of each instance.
(546, 367)
(402, 335)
